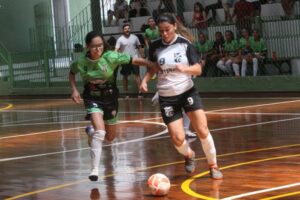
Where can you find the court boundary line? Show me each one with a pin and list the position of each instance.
(282, 195)
(9, 106)
(262, 191)
(142, 169)
(185, 186)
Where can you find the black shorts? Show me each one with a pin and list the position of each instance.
(171, 107)
(130, 69)
(104, 101)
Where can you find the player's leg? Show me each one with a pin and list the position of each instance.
(186, 126)
(194, 110)
(172, 116)
(97, 139)
(137, 78)
(125, 71)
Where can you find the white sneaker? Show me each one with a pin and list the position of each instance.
(190, 134)
(94, 174)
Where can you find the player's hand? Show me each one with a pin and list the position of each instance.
(97, 81)
(181, 68)
(144, 87)
(76, 96)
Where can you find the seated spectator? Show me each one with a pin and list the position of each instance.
(169, 7)
(151, 33)
(287, 6)
(247, 53)
(199, 18)
(138, 8)
(121, 10)
(227, 4)
(213, 8)
(257, 7)
(205, 48)
(231, 57)
(218, 51)
(258, 47)
(243, 11)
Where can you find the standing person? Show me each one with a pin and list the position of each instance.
(243, 12)
(151, 32)
(129, 43)
(178, 61)
(98, 69)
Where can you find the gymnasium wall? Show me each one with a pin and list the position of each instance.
(16, 17)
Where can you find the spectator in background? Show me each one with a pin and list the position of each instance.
(111, 42)
(247, 53)
(231, 57)
(259, 48)
(169, 7)
(138, 8)
(213, 8)
(121, 10)
(227, 4)
(243, 11)
(151, 33)
(287, 6)
(129, 43)
(218, 47)
(257, 7)
(199, 18)
(205, 48)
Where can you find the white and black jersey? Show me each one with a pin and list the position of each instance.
(180, 50)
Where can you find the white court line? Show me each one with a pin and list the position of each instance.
(112, 144)
(70, 111)
(218, 110)
(144, 138)
(253, 106)
(261, 191)
(252, 113)
(31, 120)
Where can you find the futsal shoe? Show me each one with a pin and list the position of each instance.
(94, 175)
(190, 163)
(89, 131)
(190, 134)
(215, 173)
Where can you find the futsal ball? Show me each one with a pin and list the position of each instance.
(159, 184)
(89, 129)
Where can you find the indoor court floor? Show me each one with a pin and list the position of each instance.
(44, 152)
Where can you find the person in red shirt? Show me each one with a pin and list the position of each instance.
(199, 17)
(243, 12)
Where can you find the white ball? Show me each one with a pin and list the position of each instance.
(159, 184)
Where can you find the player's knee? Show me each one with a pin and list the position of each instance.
(99, 135)
(203, 131)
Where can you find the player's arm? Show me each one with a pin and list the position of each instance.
(75, 95)
(194, 70)
(143, 62)
(147, 77)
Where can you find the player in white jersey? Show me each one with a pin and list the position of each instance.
(178, 62)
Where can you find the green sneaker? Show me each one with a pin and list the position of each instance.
(215, 173)
(190, 163)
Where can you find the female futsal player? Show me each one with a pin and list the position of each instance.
(98, 71)
(178, 61)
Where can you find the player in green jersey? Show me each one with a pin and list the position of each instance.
(98, 71)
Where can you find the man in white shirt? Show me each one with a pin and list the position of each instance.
(129, 43)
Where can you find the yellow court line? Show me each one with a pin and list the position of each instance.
(282, 195)
(185, 186)
(146, 168)
(9, 105)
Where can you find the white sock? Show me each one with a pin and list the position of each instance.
(236, 69)
(96, 147)
(209, 150)
(244, 67)
(255, 66)
(184, 149)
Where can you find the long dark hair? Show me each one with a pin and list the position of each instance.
(181, 29)
(199, 5)
(91, 35)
